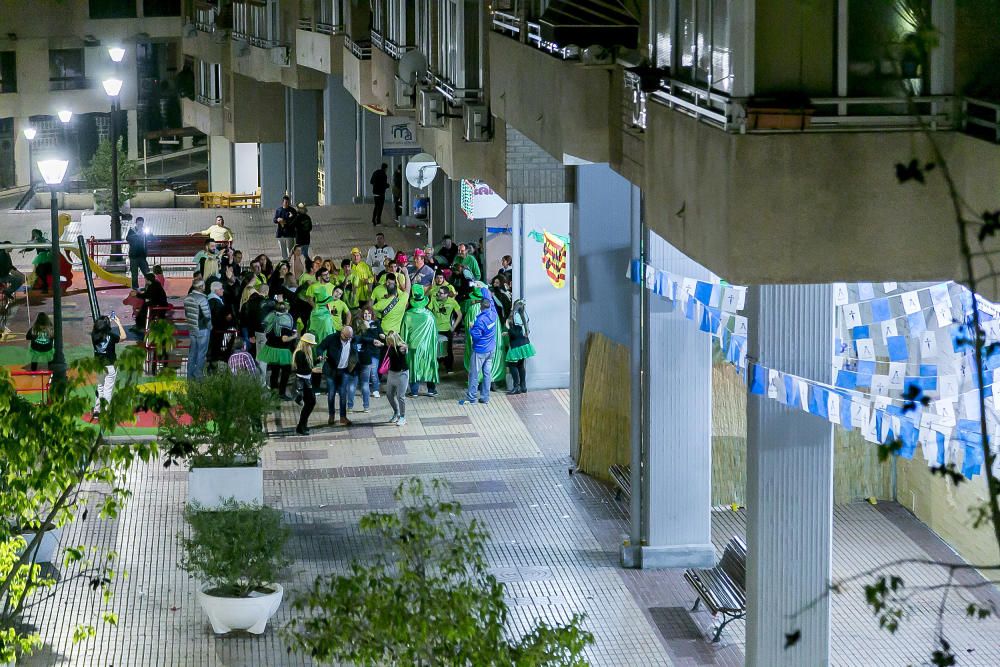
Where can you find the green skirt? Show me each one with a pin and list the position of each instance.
(275, 355)
(42, 357)
(521, 352)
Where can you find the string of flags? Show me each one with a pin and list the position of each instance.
(927, 353)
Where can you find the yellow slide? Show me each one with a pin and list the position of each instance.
(116, 278)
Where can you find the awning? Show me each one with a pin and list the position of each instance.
(588, 22)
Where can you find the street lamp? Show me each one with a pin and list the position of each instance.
(117, 53)
(65, 115)
(113, 87)
(53, 172)
(29, 134)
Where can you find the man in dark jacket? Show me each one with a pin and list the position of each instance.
(136, 239)
(303, 230)
(380, 183)
(153, 296)
(284, 231)
(484, 332)
(341, 370)
(222, 319)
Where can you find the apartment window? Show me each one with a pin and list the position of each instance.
(427, 31)
(702, 53)
(66, 70)
(209, 82)
(458, 48)
(379, 17)
(112, 9)
(8, 72)
(401, 28)
(880, 50)
(161, 7)
(329, 15)
(257, 21)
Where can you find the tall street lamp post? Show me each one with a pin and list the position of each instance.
(113, 87)
(53, 172)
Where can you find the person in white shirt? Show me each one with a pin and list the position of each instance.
(378, 253)
(218, 231)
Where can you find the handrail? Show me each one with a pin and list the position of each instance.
(453, 94)
(981, 114)
(394, 50)
(361, 51)
(329, 28)
(208, 101)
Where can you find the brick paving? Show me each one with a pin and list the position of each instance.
(554, 542)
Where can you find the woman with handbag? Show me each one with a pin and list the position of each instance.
(520, 347)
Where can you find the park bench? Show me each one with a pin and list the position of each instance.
(623, 481)
(723, 587)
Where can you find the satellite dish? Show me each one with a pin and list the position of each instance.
(421, 170)
(412, 66)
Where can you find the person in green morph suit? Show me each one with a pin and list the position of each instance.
(420, 335)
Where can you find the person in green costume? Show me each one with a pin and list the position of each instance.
(339, 309)
(320, 295)
(466, 260)
(420, 335)
(390, 309)
(361, 279)
(447, 315)
(474, 303)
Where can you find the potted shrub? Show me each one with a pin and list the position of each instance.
(781, 111)
(216, 427)
(237, 553)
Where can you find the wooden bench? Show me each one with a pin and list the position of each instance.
(723, 587)
(181, 246)
(623, 481)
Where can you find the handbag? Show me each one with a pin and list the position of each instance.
(383, 367)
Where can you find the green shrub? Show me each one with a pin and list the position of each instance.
(237, 550)
(226, 414)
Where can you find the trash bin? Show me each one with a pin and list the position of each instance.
(420, 207)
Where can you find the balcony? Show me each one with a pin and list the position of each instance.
(252, 111)
(473, 160)
(209, 41)
(320, 47)
(524, 82)
(728, 199)
(385, 66)
(358, 73)
(204, 114)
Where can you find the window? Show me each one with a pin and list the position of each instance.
(329, 15)
(66, 70)
(161, 7)
(692, 39)
(257, 21)
(879, 53)
(401, 28)
(209, 82)
(8, 72)
(112, 9)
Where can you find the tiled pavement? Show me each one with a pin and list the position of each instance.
(554, 543)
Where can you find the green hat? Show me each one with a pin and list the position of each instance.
(417, 296)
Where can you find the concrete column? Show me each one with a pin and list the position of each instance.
(437, 217)
(301, 141)
(133, 133)
(22, 153)
(789, 482)
(220, 164)
(602, 216)
(339, 139)
(272, 174)
(676, 499)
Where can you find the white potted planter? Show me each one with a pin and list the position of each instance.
(46, 549)
(251, 613)
(209, 487)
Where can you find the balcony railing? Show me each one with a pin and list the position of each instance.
(635, 102)
(360, 50)
(512, 26)
(257, 23)
(204, 16)
(306, 23)
(208, 100)
(455, 96)
(395, 50)
(377, 40)
(70, 83)
(329, 28)
(981, 119)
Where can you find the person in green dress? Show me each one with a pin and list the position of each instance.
(420, 335)
(519, 346)
(276, 353)
(320, 295)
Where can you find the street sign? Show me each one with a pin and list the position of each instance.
(399, 136)
(479, 202)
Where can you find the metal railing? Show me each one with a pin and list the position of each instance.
(512, 26)
(378, 40)
(981, 118)
(451, 93)
(208, 101)
(329, 28)
(505, 22)
(204, 16)
(305, 24)
(702, 104)
(360, 50)
(635, 101)
(395, 50)
(256, 22)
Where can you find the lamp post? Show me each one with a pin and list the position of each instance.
(113, 87)
(53, 172)
(29, 134)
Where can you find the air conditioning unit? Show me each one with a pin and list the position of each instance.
(279, 55)
(402, 95)
(430, 108)
(476, 119)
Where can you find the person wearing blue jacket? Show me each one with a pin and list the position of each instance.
(484, 333)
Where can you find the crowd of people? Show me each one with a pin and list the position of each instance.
(376, 321)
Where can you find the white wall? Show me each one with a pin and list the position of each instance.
(245, 168)
(548, 307)
(220, 164)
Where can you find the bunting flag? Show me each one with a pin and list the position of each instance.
(885, 361)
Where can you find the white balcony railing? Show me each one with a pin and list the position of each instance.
(509, 24)
(981, 118)
(204, 16)
(360, 50)
(257, 22)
